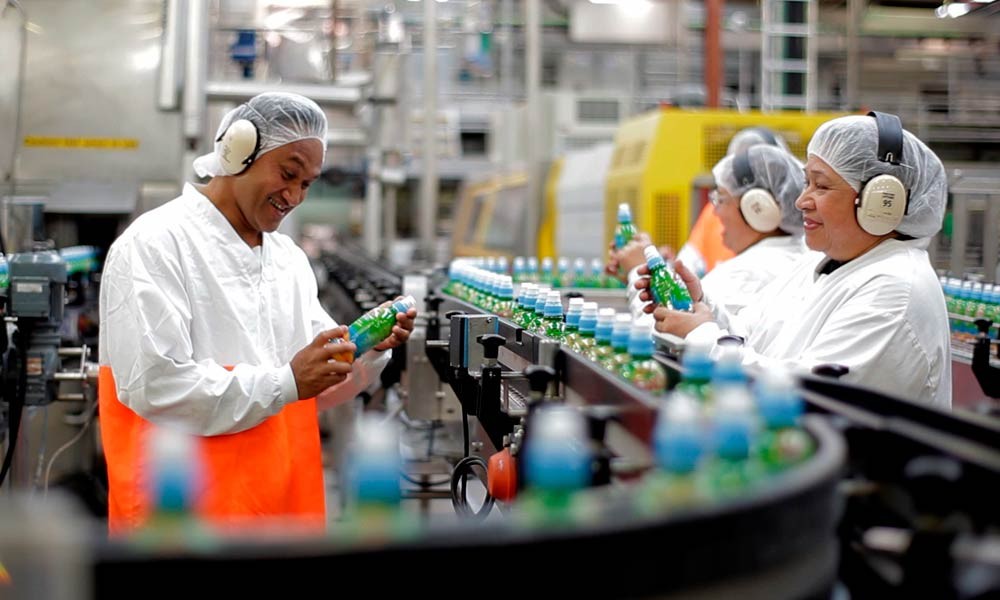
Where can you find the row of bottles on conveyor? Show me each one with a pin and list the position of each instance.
(561, 273)
(609, 339)
(971, 299)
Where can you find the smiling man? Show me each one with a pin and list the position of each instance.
(211, 323)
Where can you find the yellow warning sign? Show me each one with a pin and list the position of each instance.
(37, 141)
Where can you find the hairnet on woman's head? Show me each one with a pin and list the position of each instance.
(751, 136)
(281, 118)
(774, 170)
(850, 146)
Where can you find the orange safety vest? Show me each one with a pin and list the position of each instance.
(706, 238)
(271, 472)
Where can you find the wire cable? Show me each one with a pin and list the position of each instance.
(459, 499)
(76, 438)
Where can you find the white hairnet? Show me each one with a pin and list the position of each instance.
(281, 118)
(774, 170)
(751, 136)
(850, 146)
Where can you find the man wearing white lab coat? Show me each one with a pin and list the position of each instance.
(868, 301)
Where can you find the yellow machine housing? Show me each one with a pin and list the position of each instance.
(662, 159)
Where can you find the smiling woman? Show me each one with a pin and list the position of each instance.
(868, 299)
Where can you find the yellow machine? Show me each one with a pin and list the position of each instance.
(661, 167)
(489, 217)
(662, 158)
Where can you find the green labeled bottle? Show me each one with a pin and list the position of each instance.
(538, 316)
(679, 446)
(642, 371)
(698, 366)
(527, 294)
(588, 329)
(734, 469)
(666, 287)
(619, 343)
(782, 443)
(504, 306)
(602, 334)
(571, 329)
(624, 230)
(371, 328)
(552, 317)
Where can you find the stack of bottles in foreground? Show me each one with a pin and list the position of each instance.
(968, 300)
(611, 340)
(717, 437)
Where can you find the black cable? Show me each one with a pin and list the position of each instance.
(459, 500)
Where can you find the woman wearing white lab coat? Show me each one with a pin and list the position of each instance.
(869, 300)
(765, 247)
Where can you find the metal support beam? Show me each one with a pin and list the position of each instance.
(533, 70)
(429, 178)
(713, 51)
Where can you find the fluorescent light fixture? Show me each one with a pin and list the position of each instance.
(952, 10)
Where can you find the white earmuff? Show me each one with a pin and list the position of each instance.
(881, 204)
(760, 210)
(238, 146)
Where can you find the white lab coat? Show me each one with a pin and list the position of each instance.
(735, 282)
(882, 315)
(182, 296)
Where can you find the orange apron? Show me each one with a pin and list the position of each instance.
(271, 471)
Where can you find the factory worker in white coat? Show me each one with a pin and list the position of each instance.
(870, 299)
(754, 199)
(211, 323)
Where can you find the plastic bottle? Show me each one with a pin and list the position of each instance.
(528, 293)
(504, 306)
(518, 269)
(551, 324)
(782, 443)
(697, 363)
(625, 230)
(546, 273)
(571, 330)
(679, 447)
(531, 269)
(728, 368)
(602, 335)
(665, 287)
(619, 356)
(642, 371)
(733, 434)
(588, 328)
(596, 277)
(539, 313)
(174, 482)
(371, 328)
(563, 277)
(579, 274)
(557, 462)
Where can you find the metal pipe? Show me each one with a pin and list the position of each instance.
(322, 94)
(852, 100)
(713, 52)
(533, 79)
(373, 193)
(19, 98)
(169, 77)
(429, 178)
(195, 73)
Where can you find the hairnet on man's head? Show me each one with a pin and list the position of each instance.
(281, 118)
(774, 170)
(751, 136)
(850, 146)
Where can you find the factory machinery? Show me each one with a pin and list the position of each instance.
(896, 499)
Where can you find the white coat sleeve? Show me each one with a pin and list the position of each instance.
(146, 329)
(367, 367)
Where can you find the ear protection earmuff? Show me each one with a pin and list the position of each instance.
(882, 200)
(757, 205)
(239, 146)
(767, 135)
